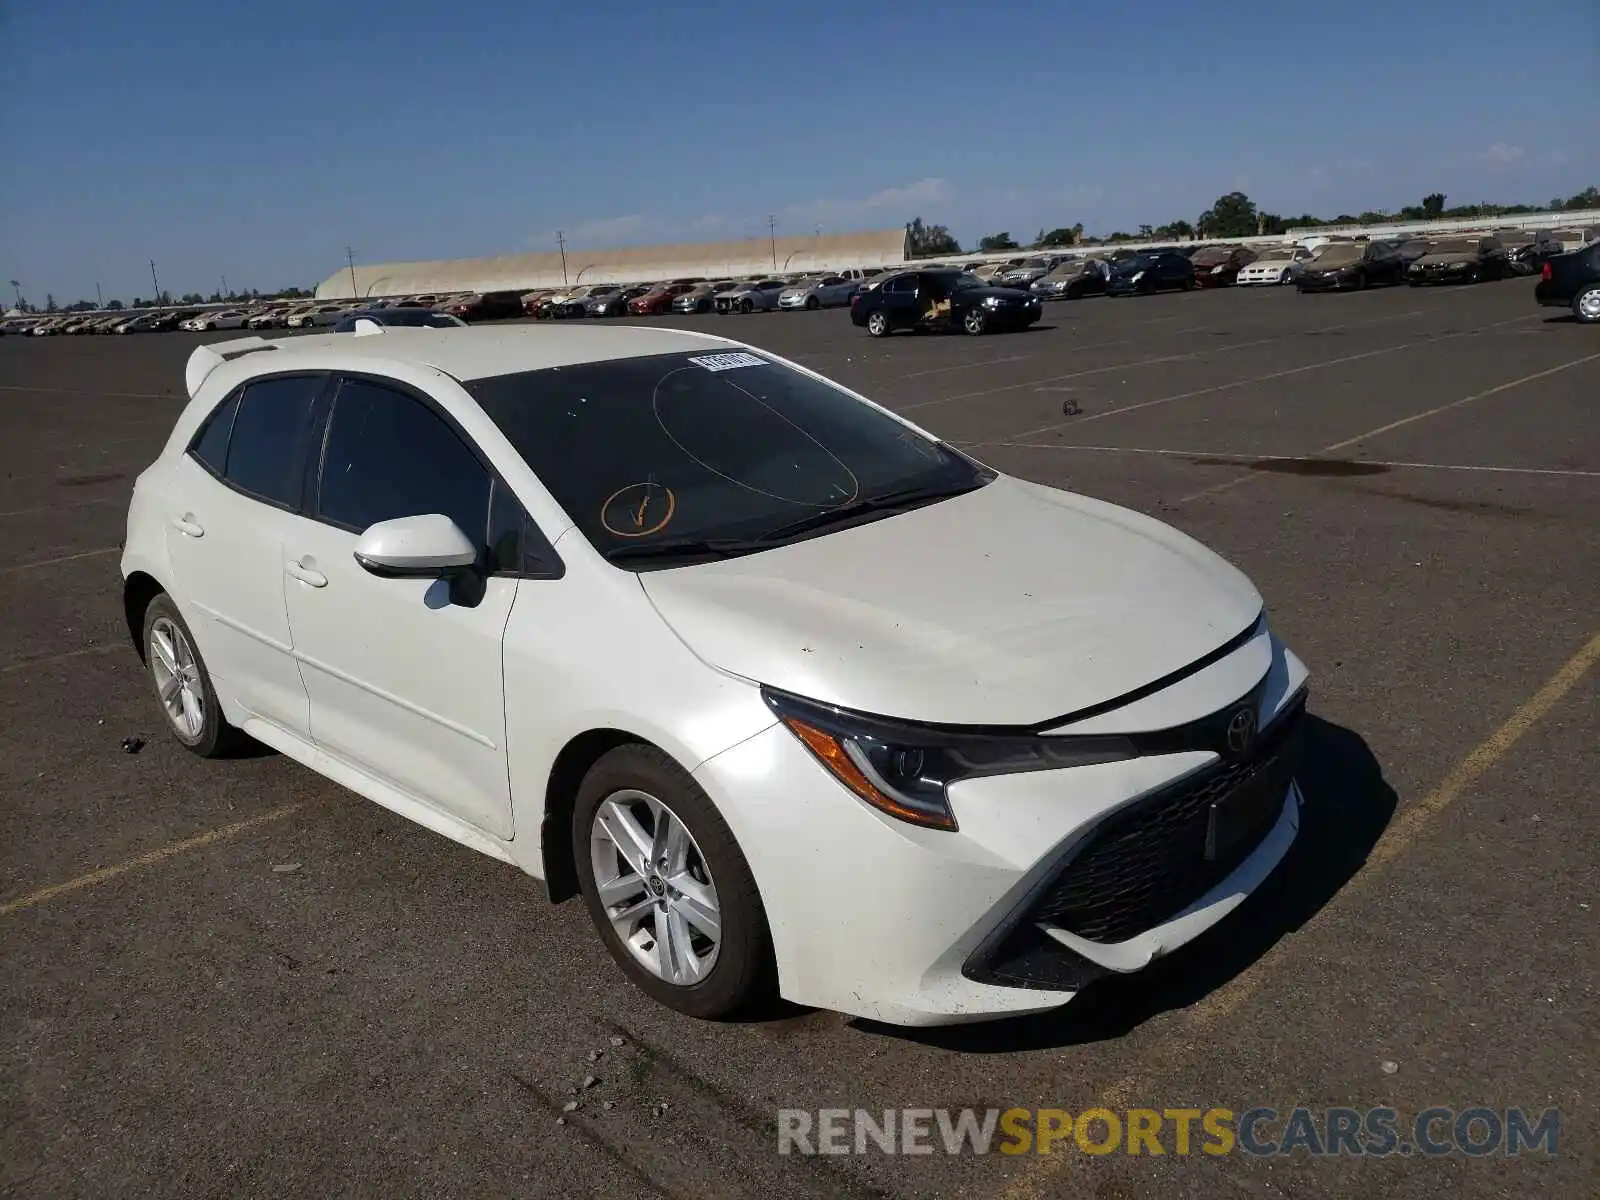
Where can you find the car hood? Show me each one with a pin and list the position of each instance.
(1445, 260)
(1014, 605)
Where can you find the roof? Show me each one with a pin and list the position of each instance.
(470, 353)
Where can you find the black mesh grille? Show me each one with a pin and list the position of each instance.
(1147, 862)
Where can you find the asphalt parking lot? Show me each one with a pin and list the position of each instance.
(237, 978)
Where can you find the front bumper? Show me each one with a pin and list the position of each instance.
(792, 301)
(1327, 283)
(1022, 907)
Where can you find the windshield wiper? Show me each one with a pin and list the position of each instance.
(687, 547)
(900, 500)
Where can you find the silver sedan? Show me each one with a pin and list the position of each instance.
(827, 291)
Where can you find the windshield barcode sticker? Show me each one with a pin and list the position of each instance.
(727, 362)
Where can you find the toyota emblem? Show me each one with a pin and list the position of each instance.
(1241, 732)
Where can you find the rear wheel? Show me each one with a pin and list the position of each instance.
(667, 887)
(975, 322)
(1586, 305)
(878, 324)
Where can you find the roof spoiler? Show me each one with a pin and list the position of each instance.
(207, 359)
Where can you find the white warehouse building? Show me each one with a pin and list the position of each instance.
(628, 264)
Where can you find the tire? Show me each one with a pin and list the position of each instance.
(1586, 305)
(1188, 285)
(813, 303)
(745, 306)
(878, 324)
(1361, 282)
(720, 976)
(168, 642)
(975, 322)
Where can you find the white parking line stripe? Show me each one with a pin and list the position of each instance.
(1230, 484)
(1375, 462)
(1238, 383)
(1168, 358)
(50, 562)
(58, 391)
(45, 660)
(43, 508)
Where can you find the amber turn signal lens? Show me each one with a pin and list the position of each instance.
(831, 754)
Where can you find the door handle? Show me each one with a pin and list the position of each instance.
(305, 574)
(188, 526)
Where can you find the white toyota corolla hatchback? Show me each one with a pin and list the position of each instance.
(793, 694)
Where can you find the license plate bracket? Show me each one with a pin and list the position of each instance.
(1244, 813)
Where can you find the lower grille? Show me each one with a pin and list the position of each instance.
(1148, 862)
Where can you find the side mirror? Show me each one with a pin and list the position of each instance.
(422, 547)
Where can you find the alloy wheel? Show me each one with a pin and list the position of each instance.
(1588, 305)
(655, 887)
(877, 324)
(974, 321)
(177, 676)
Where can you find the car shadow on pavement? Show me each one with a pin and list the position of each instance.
(1348, 804)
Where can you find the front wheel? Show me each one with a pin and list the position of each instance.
(1586, 305)
(183, 684)
(878, 324)
(668, 888)
(813, 303)
(975, 322)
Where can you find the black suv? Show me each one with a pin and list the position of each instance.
(1573, 281)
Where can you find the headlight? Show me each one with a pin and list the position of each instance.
(904, 770)
(993, 301)
(1218, 269)
(1137, 275)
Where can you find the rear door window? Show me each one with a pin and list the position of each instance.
(271, 428)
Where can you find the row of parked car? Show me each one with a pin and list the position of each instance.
(1318, 264)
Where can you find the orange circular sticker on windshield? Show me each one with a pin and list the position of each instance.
(638, 510)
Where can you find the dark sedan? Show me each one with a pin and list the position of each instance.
(1154, 271)
(1219, 266)
(942, 300)
(1573, 281)
(485, 306)
(411, 318)
(1352, 267)
(1459, 260)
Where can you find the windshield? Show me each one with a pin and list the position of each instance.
(682, 447)
(1210, 257)
(1340, 252)
(1135, 262)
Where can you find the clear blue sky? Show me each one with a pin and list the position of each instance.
(256, 140)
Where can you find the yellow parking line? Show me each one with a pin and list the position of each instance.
(1229, 484)
(151, 858)
(1041, 1177)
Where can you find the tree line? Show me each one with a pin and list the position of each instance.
(1234, 215)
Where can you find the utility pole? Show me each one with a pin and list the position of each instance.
(99, 295)
(156, 282)
(225, 292)
(349, 257)
(772, 234)
(561, 241)
(16, 286)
